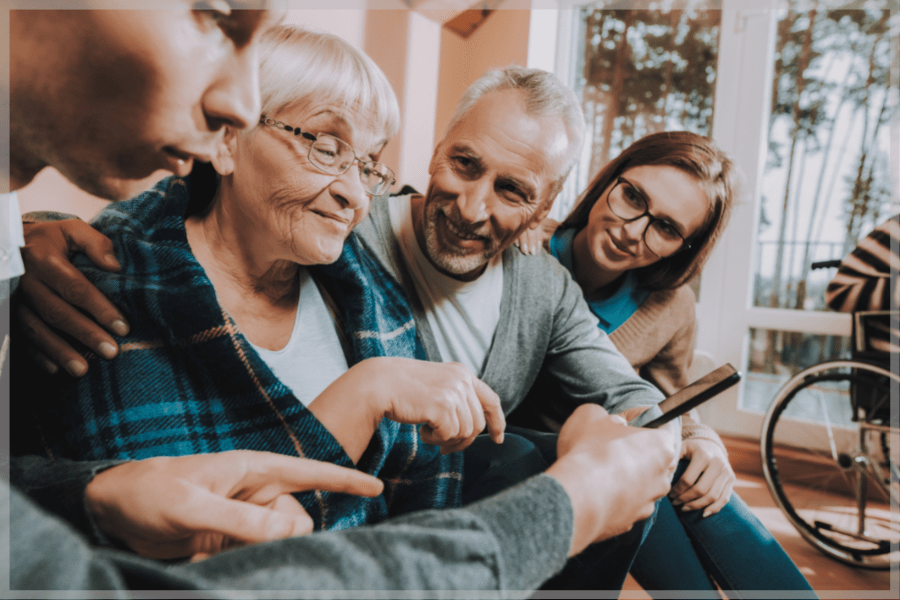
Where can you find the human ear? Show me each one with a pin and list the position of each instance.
(223, 160)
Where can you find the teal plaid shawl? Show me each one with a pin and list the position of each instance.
(188, 382)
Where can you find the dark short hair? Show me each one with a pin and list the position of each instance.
(694, 154)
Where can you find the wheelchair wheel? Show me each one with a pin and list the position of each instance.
(830, 456)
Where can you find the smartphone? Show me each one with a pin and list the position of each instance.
(695, 394)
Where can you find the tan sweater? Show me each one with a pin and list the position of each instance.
(658, 341)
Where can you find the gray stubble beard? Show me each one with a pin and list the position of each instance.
(451, 260)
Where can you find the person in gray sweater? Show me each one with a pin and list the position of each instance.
(510, 318)
(512, 541)
(66, 523)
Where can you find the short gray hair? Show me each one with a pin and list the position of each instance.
(545, 95)
(297, 65)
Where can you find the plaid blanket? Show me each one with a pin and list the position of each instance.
(187, 381)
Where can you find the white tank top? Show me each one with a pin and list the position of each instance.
(313, 358)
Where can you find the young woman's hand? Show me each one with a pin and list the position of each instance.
(452, 405)
(708, 480)
(533, 238)
(57, 300)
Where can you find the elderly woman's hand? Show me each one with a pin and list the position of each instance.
(708, 480)
(57, 300)
(452, 405)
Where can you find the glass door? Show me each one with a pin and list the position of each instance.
(812, 120)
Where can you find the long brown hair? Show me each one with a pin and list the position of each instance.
(694, 154)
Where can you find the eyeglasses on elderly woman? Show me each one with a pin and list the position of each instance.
(334, 156)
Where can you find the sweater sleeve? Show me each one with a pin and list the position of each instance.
(586, 367)
(694, 430)
(669, 368)
(58, 486)
(513, 541)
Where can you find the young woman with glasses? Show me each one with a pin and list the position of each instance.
(638, 235)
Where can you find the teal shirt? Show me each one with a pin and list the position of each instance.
(612, 311)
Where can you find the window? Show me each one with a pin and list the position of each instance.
(827, 175)
(640, 71)
(826, 181)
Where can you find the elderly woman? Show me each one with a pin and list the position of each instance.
(239, 340)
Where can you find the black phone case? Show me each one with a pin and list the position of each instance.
(696, 393)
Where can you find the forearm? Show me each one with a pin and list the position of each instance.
(588, 367)
(349, 413)
(512, 541)
(58, 486)
(594, 371)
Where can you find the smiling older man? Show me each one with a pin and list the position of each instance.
(510, 318)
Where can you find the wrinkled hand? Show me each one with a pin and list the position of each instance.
(613, 473)
(708, 480)
(53, 291)
(451, 404)
(533, 239)
(173, 507)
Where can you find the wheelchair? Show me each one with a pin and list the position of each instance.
(830, 443)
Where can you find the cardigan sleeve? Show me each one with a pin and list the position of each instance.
(669, 368)
(580, 363)
(513, 541)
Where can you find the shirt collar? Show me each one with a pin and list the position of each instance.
(612, 311)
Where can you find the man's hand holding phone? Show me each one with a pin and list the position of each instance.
(613, 473)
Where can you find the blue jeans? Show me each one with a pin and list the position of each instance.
(490, 469)
(683, 550)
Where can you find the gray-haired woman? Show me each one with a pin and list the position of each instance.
(239, 340)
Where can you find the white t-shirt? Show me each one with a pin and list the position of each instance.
(11, 237)
(313, 358)
(462, 314)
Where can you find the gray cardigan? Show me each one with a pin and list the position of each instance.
(512, 541)
(546, 331)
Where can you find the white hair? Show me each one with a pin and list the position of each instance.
(544, 95)
(298, 66)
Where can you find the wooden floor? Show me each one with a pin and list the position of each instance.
(830, 579)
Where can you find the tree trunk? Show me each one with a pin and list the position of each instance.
(623, 51)
(796, 133)
(674, 21)
(784, 31)
(858, 196)
(804, 266)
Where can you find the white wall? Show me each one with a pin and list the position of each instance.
(344, 23)
(403, 43)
